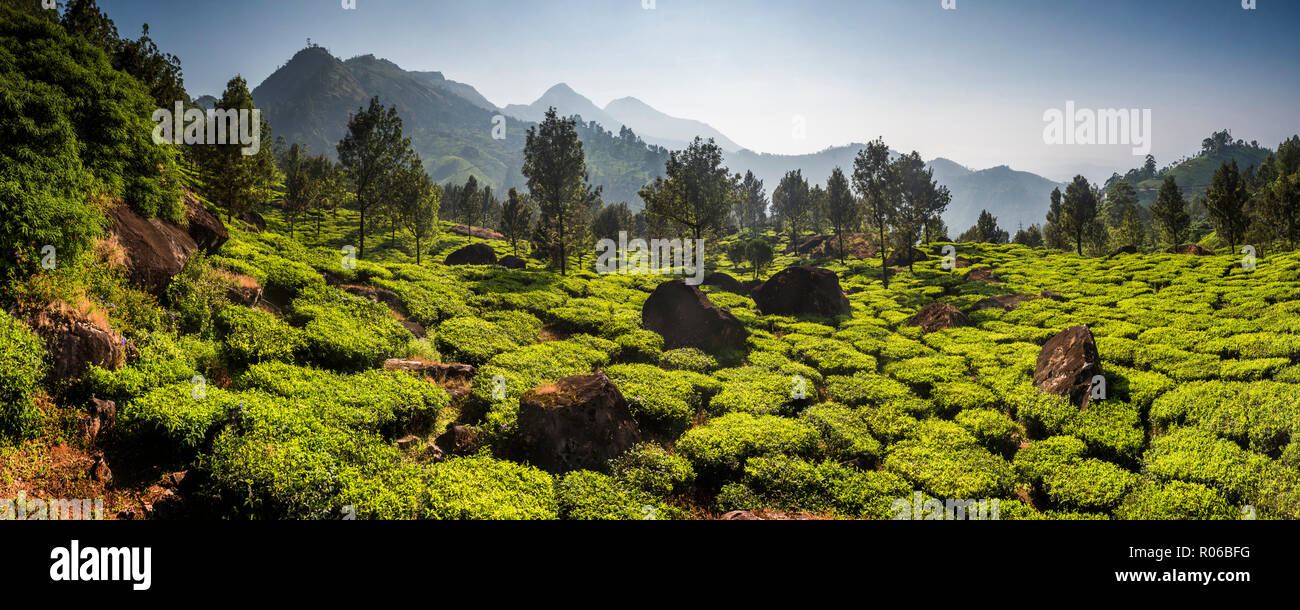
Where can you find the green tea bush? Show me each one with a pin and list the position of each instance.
(845, 433)
(650, 468)
(1175, 500)
(945, 460)
(22, 366)
(525, 369)
(759, 391)
(870, 389)
(956, 396)
(174, 413)
(720, 448)
(472, 340)
(1261, 415)
(688, 359)
(588, 496)
(289, 277)
(793, 484)
(483, 488)
(1047, 456)
(164, 359)
(347, 332)
(1089, 484)
(640, 346)
(830, 356)
(993, 429)
(661, 400)
(251, 336)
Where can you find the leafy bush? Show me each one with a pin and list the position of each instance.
(346, 332)
(1089, 484)
(640, 346)
(252, 336)
(1175, 500)
(472, 340)
(793, 484)
(845, 433)
(480, 487)
(652, 469)
(164, 359)
(993, 429)
(661, 400)
(720, 447)
(688, 359)
(587, 495)
(945, 460)
(759, 391)
(22, 367)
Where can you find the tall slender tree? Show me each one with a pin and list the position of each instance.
(1170, 212)
(874, 185)
(556, 171)
(516, 218)
(792, 201)
(1079, 211)
(842, 209)
(372, 152)
(419, 199)
(696, 192)
(1226, 199)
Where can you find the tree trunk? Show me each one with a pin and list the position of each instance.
(363, 232)
(884, 271)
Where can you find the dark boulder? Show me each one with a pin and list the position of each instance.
(1193, 249)
(687, 318)
(254, 220)
(806, 245)
(153, 250)
(204, 226)
(73, 344)
(747, 287)
(725, 283)
(459, 439)
(1067, 364)
(511, 261)
(99, 420)
(938, 316)
(579, 422)
(899, 258)
(473, 254)
(802, 291)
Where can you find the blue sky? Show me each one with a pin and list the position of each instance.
(970, 84)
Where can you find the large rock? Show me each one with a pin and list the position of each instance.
(458, 439)
(806, 245)
(687, 318)
(899, 258)
(580, 422)
(205, 227)
(442, 372)
(254, 220)
(938, 316)
(1067, 364)
(725, 283)
(153, 250)
(99, 420)
(1193, 249)
(511, 261)
(473, 254)
(73, 344)
(802, 291)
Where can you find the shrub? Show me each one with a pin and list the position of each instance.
(688, 359)
(640, 346)
(993, 429)
(659, 399)
(845, 433)
(1089, 485)
(953, 397)
(830, 356)
(943, 459)
(177, 415)
(793, 484)
(251, 336)
(22, 367)
(1175, 500)
(347, 332)
(587, 495)
(650, 468)
(720, 448)
(1261, 415)
(759, 391)
(480, 487)
(1049, 455)
(472, 340)
(870, 389)
(164, 359)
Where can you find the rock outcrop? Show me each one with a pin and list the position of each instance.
(795, 291)
(579, 422)
(1067, 365)
(687, 318)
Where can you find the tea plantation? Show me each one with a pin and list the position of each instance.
(296, 418)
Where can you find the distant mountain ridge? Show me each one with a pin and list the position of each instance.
(309, 99)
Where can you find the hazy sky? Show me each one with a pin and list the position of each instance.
(970, 84)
